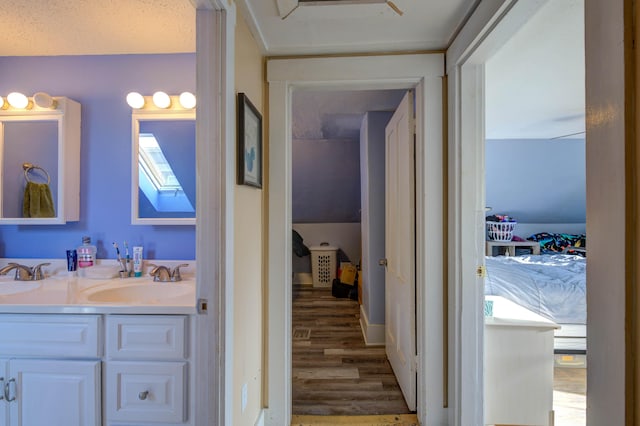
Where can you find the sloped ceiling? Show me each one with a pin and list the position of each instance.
(337, 115)
(535, 84)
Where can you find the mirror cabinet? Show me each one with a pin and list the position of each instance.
(40, 164)
(163, 190)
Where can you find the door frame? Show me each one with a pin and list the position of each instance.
(215, 160)
(425, 73)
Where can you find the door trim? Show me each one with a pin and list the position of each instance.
(424, 72)
(491, 24)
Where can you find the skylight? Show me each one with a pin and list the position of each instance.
(155, 164)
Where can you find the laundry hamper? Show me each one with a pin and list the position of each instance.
(323, 265)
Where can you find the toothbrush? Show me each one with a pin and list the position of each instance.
(126, 253)
(115, 245)
(118, 255)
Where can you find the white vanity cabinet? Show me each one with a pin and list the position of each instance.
(51, 368)
(146, 377)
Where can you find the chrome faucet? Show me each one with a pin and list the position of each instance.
(163, 274)
(160, 273)
(25, 273)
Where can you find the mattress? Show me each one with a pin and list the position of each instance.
(551, 285)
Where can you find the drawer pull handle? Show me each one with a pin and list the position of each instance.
(2, 387)
(143, 395)
(7, 390)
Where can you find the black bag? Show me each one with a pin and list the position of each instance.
(340, 290)
(344, 291)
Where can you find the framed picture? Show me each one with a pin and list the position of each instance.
(249, 143)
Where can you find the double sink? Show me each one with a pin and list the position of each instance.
(87, 291)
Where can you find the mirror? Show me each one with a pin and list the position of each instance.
(163, 168)
(48, 141)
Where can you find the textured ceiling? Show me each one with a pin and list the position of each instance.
(94, 27)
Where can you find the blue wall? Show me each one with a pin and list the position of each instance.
(326, 181)
(100, 84)
(537, 181)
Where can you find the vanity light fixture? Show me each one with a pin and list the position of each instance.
(3, 103)
(135, 100)
(187, 100)
(44, 100)
(18, 100)
(161, 100)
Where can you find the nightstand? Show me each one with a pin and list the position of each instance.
(510, 246)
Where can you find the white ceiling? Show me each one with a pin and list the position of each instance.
(535, 84)
(366, 27)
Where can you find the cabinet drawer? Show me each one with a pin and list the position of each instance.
(152, 337)
(70, 336)
(146, 391)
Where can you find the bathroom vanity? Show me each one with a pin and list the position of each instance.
(87, 351)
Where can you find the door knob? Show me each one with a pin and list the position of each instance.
(382, 262)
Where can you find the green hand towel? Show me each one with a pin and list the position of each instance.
(38, 201)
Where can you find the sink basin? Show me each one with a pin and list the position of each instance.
(143, 293)
(15, 287)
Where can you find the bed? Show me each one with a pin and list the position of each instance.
(551, 285)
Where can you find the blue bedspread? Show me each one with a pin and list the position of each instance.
(552, 285)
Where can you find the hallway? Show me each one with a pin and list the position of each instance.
(334, 372)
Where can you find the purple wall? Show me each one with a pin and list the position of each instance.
(100, 84)
(536, 180)
(326, 181)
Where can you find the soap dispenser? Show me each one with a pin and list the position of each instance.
(86, 253)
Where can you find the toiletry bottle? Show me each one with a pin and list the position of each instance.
(86, 253)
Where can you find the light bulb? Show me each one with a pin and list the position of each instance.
(17, 100)
(135, 100)
(187, 100)
(3, 105)
(161, 100)
(44, 100)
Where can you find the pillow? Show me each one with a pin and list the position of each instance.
(556, 243)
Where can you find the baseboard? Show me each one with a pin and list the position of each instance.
(373, 333)
(260, 420)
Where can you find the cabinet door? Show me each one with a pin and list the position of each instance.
(55, 393)
(4, 410)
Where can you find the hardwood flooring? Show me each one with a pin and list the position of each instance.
(334, 372)
(337, 379)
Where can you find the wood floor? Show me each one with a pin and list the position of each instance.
(334, 372)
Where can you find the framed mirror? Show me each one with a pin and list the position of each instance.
(40, 164)
(163, 174)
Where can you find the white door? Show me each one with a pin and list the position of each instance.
(400, 307)
(54, 393)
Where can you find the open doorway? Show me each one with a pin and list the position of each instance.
(340, 366)
(474, 74)
(424, 72)
(535, 190)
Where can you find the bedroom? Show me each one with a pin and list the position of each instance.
(535, 174)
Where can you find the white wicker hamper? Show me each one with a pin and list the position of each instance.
(500, 231)
(323, 265)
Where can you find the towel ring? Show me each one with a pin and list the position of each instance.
(28, 167)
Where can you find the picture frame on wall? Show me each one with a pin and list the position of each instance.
(249, 143)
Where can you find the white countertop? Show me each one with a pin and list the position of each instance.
(63, 293)
(507, 313)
